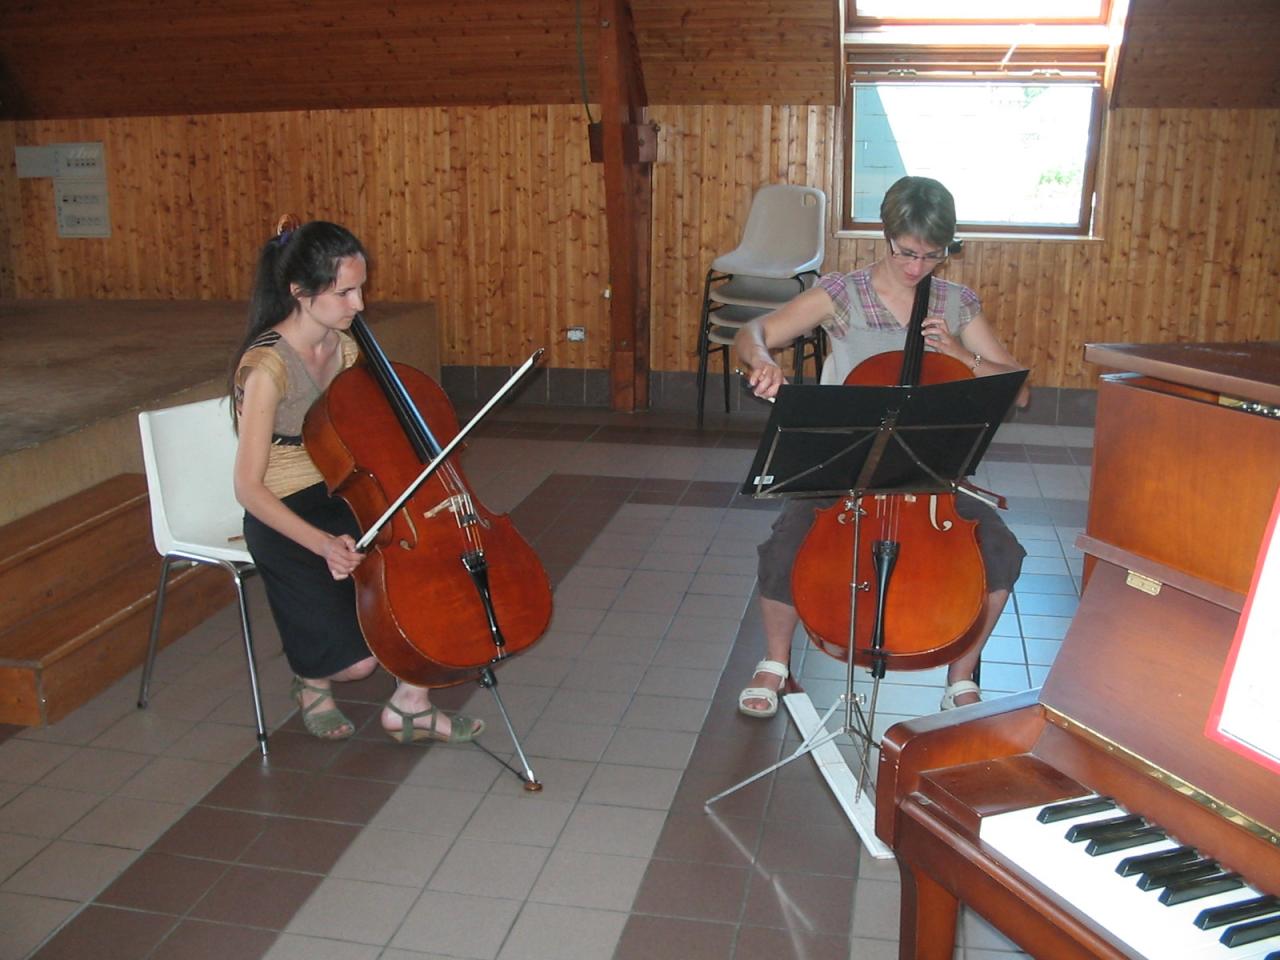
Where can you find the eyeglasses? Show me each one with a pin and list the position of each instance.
(910, 256)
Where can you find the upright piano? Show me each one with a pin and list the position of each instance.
(1185, 472)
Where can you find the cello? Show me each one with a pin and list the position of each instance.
(448, 589)
(930, 581)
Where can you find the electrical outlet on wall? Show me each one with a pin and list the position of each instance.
(577, 334)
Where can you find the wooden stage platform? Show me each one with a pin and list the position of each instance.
(78, 570)
(75, 373)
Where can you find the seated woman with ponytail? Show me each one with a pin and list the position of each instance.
(308, 289)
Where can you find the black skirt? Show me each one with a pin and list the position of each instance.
(315, 614)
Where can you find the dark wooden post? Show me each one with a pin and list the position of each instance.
(628, 146)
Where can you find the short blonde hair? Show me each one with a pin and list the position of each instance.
(919, 207)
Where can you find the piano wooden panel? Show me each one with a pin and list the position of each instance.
(1185, 483)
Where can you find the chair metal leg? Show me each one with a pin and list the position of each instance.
(238, 576)
(704, 343)
(144, 690)
(724, 363)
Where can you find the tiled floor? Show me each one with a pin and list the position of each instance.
(160, 834)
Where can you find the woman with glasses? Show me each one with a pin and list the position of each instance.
(865, 313)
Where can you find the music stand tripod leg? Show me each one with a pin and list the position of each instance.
(810, 743)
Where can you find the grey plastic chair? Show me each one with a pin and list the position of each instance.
(189, 451)
(782, 248)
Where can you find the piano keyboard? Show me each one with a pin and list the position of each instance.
(1158, 897)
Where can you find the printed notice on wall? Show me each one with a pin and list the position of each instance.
(1244, 711)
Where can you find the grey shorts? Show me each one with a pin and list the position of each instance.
(1001, 552)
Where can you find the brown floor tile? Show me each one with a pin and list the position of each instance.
(820, 904)
(735, 757)
(725, 720)
(645, 938)
(711, 499)
(705, 838)
(255, 897)
(726, 488)
(375, 759)
(211, 833)
(197, 940)
(292, 748)
(758, 943)
(789, 846)
(334, 798)
(655, 497)
(696, 891)
(313, 846)
(162, 883)
(256, 787)
(105, 933)
(697, 786)
(661, 485)
(807, 799)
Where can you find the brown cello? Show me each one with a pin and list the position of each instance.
(448, 589)
(929, 579)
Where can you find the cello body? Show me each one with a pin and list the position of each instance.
(921, 579)
(447, 588)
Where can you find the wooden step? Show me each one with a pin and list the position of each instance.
(77, 594)
(61, 550)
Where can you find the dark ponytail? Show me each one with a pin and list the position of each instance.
(307, 256)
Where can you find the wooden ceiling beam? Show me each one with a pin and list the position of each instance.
(624, 138)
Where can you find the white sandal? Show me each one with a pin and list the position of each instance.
(957, 689)
(770, 697)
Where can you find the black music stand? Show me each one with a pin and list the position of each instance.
(837, 441)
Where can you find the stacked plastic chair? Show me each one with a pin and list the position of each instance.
(779, 256)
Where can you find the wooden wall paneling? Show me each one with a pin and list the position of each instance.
(10, 209)
(495, 214)
(1261, 269)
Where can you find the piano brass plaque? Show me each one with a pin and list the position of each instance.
(1224, 810)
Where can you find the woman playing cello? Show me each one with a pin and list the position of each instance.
(865, 313)
(308, 289)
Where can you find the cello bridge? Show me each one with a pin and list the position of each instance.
(454, 504)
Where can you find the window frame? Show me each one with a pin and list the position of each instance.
(861, 21)
(909, 51)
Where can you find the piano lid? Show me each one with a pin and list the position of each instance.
(1250, 371)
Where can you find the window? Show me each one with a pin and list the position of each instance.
(1007, 114)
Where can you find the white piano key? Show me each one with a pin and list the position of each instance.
(1092, 886)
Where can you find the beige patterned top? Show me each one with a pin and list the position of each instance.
(289, 466)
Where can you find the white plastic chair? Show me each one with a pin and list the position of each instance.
(189, 451)
(782, 248)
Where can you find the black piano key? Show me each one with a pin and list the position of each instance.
(1154, 861)
(1124, 841)
(1251, 932)
(1194, 870)
(1189, 890)
(1235, 912)
(1100, 828)
(1074, 808)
